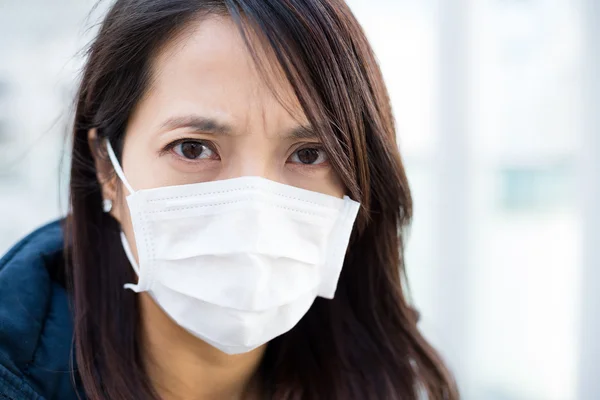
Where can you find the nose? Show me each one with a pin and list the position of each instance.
(246, 167)
(256, 159)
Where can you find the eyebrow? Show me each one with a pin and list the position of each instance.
(210, 125)
(301, 132)
(197, 123)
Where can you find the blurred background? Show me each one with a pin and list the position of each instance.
(495, 105)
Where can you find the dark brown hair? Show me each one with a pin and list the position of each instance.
(363, 344)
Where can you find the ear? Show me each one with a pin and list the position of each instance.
(104, 172)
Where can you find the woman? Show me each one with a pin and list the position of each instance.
(215, 247)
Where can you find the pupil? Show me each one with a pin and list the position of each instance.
(191, 150)
(308, 156)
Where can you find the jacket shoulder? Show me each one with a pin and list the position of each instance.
(35, 321)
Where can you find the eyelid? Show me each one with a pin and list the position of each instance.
(313, 145)
(308, 145)
(176, 142)
(169, 148)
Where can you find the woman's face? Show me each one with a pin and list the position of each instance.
(210, 115)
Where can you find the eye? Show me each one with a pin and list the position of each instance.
(194, 150)
(309, 156)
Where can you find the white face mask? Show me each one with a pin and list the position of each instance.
(237, 262)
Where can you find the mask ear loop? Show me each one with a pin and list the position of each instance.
(131, 258)
(129, 254)
(124, 242)
(117, 166)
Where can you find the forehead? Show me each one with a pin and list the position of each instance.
(209, 63)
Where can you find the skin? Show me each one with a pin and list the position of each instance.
(207, 74)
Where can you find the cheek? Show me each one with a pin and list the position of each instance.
(335, 186)
(322, 181)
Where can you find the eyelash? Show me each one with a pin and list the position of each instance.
(315, 146)
(171, 146)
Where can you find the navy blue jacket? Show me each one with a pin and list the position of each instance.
(36, 327)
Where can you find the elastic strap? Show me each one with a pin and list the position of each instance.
(117, 166)
(129, 254)
(131, 258)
